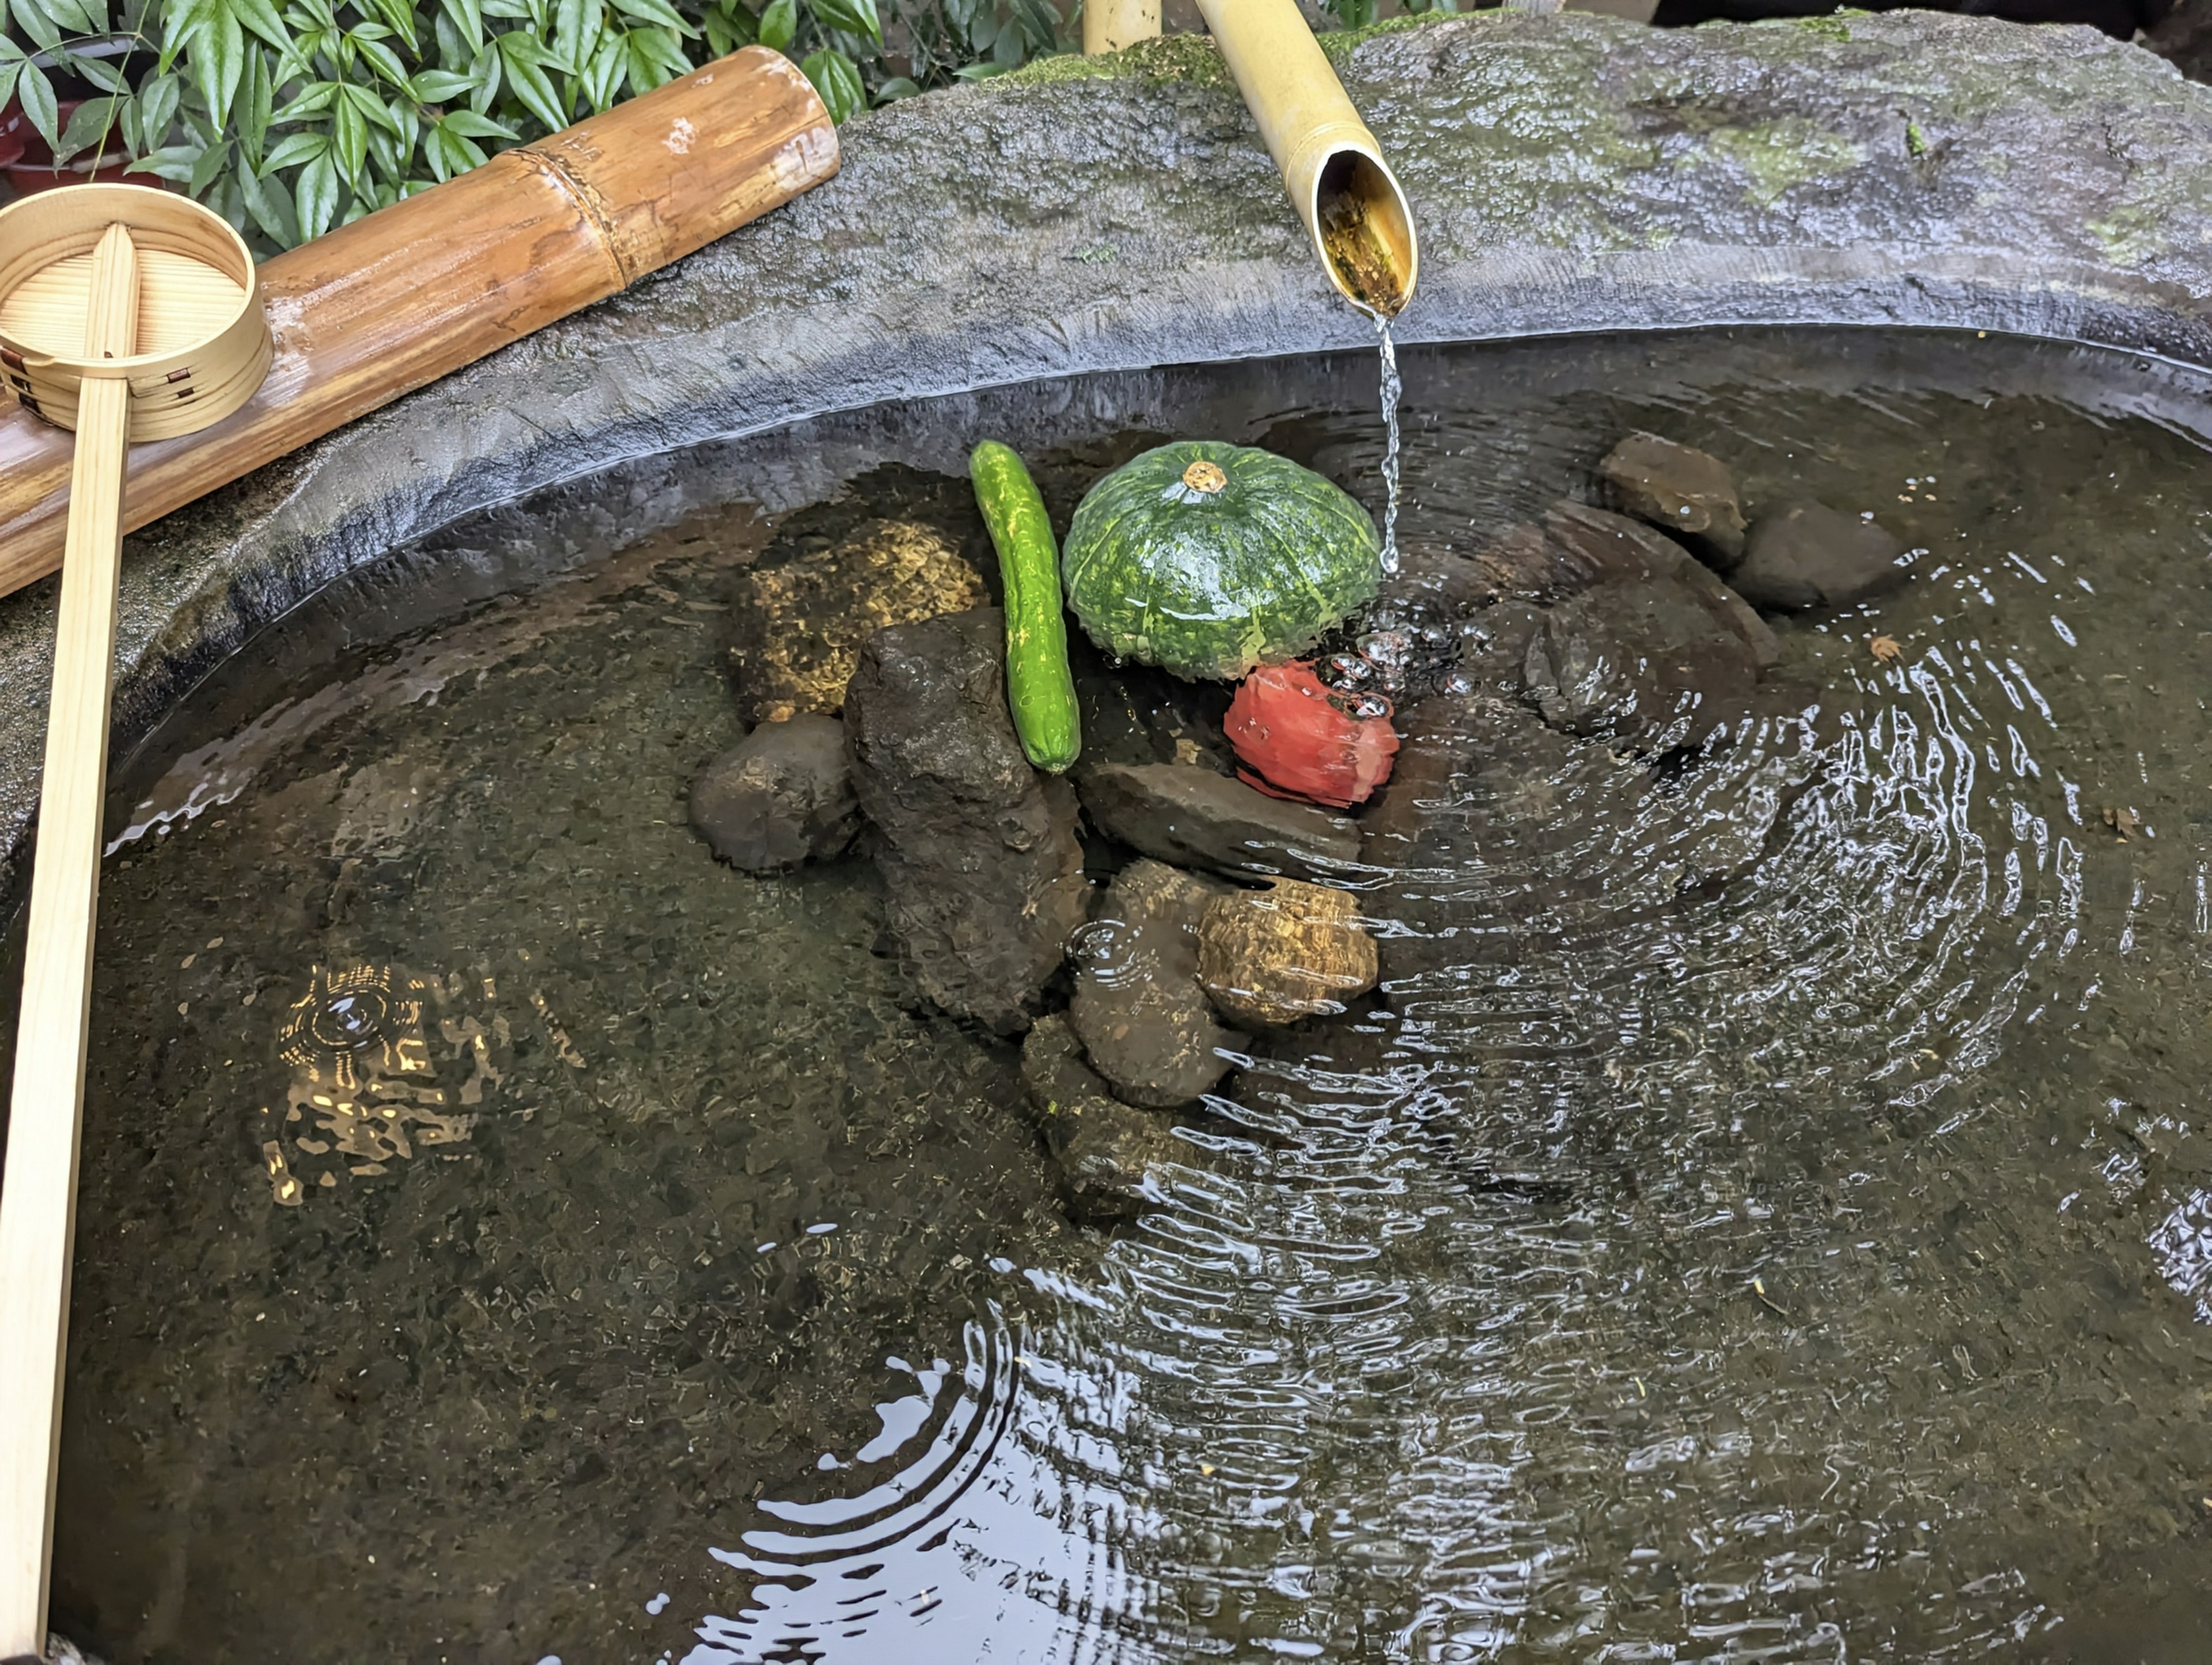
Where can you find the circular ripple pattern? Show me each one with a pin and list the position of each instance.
(1764, 1215)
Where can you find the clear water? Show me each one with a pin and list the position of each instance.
(1813, 1266)
(1393, 389)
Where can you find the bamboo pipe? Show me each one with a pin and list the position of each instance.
(415, 291)
(1110, 24)
(1341, 187)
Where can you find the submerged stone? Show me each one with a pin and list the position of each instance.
(982, 871)
(1686, 493)
(796, 628)
(1192, 817)
(1142, 1017)
(1811, 555)
(781, 796)
(1659, 655)
(1291, 951)
(1109, 1154)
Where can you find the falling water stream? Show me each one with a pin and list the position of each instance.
(1393, 388)
(1766, 1214)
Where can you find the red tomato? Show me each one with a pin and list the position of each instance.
(1300, 738)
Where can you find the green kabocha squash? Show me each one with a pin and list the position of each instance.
(1207, 559)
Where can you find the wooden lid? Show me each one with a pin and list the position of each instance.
(202, 345)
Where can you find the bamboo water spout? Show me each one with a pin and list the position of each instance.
(1343, 190)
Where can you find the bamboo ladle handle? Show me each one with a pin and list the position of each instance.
(38, 1211)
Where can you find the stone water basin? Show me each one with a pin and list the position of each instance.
(1765, 1211)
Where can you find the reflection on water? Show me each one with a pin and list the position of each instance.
(1764, 1214)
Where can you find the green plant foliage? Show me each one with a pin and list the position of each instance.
(288, 117)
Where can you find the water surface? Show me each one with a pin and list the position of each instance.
(1815, 1266)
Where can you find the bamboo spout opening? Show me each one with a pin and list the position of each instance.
(1364, 231)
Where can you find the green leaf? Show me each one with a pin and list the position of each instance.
(520, 56)
(98, 72)
(471, 126)
(295, 148)
(837, 79)
(37, 94)
(604, 76)
(72, 18)
(157, 107)
(438, 85)
(208, 165)
(399, 17)
(855, 17)
(173, 162)
(382, 58)
(779, 23)
(217, 55)
(897, 87)
(9, 51)
(317, 194)
(269, 206)
(658, 13)
(8, 73)
(467, 17)
(730, 26)
(261, 16)
(983, 71)
(655, 59)
(348, 138)
(313, 101)
(91, 126)
(577, 25)
(36, 24)
(254, 107)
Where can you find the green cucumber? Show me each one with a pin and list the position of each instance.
(1039, 690)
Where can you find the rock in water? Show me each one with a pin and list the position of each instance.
(1138, 1008)
(1685, 492)
(982, 872)
(796, 630)
(1809, 555)
(1291, 951)
(781, 796)
(1109, 1154)
(1189, 816)
(1659, 655)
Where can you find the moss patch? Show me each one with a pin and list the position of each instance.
(1187, 58)
(1775, 156)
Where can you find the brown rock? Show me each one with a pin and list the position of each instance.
(1138, 1008)
(983, 871)
(1809, 555)
(1189, 816)
(1685, 492)
(1291, 951)
(1109, 1155)
(796, 628)
(781, 796)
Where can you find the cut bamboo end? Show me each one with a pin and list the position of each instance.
(1352, 205)
(200, 346)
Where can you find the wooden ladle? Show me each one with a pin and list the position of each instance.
(126, 313)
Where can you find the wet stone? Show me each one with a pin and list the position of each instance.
(1686, 493)
(1189, 816)
(1138, 1007)
(1810, 556)
(780, 797)
(981, 868)
(1108, 1153)
(1292, 951)
(796, 627)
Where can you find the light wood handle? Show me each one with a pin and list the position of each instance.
(38, 1209)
